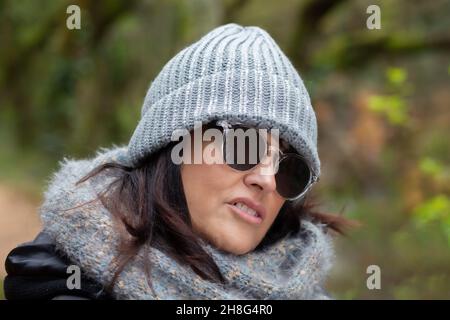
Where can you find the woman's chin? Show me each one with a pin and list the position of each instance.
(238, 245)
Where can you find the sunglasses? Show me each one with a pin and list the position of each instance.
(293, 175)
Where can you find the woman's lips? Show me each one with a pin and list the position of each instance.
(248, 210)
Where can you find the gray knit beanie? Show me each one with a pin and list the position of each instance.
(235, 73)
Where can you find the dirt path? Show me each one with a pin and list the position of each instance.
(19, 221)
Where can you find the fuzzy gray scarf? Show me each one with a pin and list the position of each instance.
(293, 268)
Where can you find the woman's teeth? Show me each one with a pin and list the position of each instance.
(246, 209)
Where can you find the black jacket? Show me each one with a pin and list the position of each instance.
(35, 270)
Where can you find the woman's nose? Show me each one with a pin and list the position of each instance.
(262, 177)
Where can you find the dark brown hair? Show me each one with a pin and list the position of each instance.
(148, 204)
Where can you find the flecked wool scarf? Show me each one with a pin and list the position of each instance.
(293, 268)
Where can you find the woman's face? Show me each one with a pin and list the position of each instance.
(222, 203)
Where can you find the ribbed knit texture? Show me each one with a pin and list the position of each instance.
(293, 268)
(234, 73)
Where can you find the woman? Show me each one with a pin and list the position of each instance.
(140, 225)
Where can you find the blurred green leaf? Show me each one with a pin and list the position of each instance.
(436, 208)
(393, 107)
(431, 167)
(396, 76)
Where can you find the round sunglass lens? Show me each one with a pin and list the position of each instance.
(292, 177)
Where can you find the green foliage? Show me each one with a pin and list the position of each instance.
(435, 210)
(418, 288)
(431, 167)
(396, 76)
(436, 170)
(391, 106)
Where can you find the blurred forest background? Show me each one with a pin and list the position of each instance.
(382, 99)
